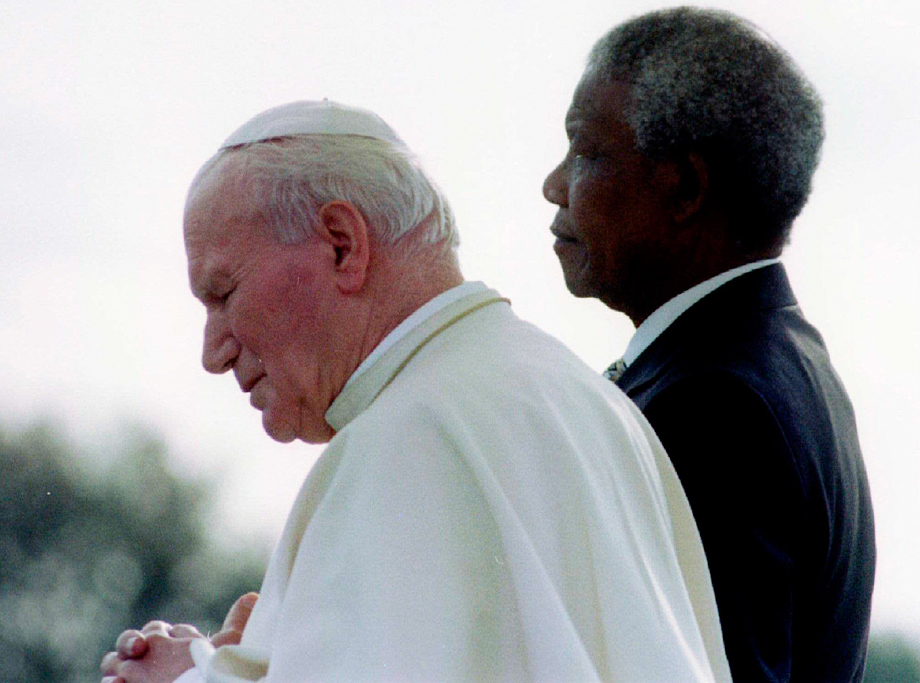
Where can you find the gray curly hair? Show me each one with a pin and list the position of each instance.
(711, 82)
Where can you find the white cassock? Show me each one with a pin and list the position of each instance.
(490, 509)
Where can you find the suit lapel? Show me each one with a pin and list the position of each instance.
(763, 289)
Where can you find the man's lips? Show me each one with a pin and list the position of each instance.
(562, 239)
(558, 230)
(257, 396)
(250, 383)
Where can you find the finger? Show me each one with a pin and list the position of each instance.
(185, 631)
(237, 618)
(239, 613)
(160, 627)
(109, 664)
(131, 644)
(222, 638)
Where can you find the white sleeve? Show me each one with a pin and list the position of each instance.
(400, 573)
(227, 664)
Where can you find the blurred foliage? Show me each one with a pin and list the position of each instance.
(892, 659)
(87, 551)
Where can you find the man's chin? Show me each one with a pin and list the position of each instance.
(576, 276)
(277, 430)
(578, 287)
(282, 431)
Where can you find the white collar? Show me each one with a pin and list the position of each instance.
(420, 315)
(664, 315)
(357, 395)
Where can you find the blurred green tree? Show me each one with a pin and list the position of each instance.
(892, 659)
(86, 552)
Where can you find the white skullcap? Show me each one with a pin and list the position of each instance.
(313, 118)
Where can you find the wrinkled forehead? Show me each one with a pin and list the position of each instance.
(219, 192)
(219, 219)
(220, 169)
(598, 99)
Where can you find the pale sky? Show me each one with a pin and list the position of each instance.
(109, 107)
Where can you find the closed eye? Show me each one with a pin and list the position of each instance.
(211, 299)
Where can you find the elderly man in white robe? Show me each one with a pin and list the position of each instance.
(487, 507)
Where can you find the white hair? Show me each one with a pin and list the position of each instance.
(292, 177)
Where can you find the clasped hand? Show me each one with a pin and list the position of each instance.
(159, 652)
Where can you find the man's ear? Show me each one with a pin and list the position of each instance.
(692, 187)
(343, 228)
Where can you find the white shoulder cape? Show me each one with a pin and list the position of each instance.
(490, 509)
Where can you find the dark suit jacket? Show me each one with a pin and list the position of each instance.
(742, 394)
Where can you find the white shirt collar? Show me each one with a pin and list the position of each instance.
(667, 313)
(420, 315)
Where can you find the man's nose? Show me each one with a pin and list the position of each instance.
(554, 187)
(220, 346)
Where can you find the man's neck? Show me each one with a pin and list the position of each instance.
(416, 318)
(662, 318)
(401, 284)
(677, 278)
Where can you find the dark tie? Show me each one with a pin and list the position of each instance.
(616, 370)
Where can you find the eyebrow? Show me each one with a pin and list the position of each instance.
(580, 125)
(208, 280)
(580, 114)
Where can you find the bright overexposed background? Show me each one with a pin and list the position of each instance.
(107, 108)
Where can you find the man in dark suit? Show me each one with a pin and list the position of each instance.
(693, 140)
